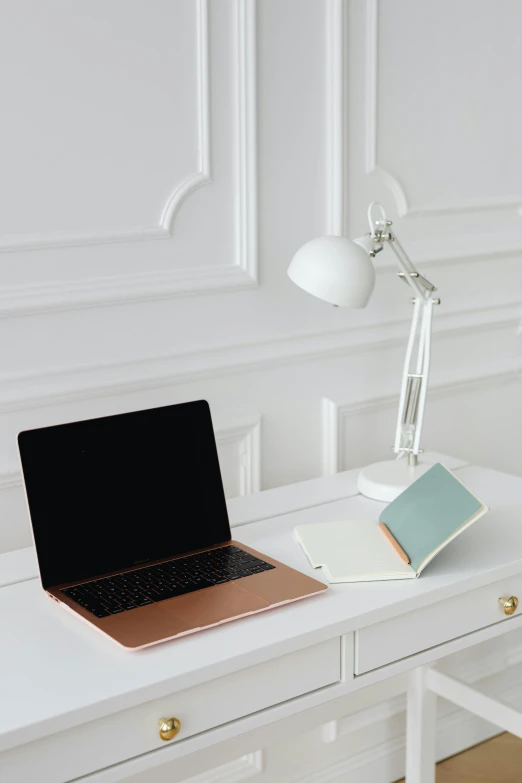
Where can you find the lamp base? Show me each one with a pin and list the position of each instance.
(386, 480)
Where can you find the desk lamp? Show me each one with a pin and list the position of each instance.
(340, 271)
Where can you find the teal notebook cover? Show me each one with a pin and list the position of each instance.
(431, 510)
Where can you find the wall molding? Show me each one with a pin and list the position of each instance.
(246, 91)
(199, 177)
(73, 384)
(246, 433)
(334, 132)
(335, 729)
(126, 288)
(202, 175)
(335, 414)
(43, 297)
(436, 252)
(496, 673)
(472, 672)
(11, 479)
(234, 771)
(392, 182)
(371, 108)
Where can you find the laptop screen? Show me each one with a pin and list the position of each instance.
(118, 491)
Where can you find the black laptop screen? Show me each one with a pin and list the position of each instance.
(117, 491)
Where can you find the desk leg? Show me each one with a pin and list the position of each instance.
(420, 729)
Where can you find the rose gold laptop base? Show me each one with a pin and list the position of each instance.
(196, 611)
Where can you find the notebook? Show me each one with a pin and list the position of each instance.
(411, 530)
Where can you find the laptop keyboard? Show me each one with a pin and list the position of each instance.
(115, 594)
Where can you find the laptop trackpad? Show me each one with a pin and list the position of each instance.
(214, 605)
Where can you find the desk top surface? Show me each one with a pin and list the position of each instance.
(55, 672)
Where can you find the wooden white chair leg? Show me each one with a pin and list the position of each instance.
(420, 729)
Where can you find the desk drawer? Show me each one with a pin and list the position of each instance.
(389, 641)
(98, 744)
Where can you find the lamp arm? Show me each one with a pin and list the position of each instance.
(424, 360)
(421, 285)
(414, 380)
(414, 383)
(415, 373)
(401, 435)
(381, 233)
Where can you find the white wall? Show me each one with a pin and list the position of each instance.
(161, 162)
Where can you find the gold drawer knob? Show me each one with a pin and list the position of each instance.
(509, 605)
(169, 728)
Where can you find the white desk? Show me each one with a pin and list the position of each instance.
(74, 705)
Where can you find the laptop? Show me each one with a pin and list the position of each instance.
(131, 528)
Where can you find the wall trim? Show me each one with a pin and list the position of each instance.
(438, 251)
(199, 177)
(472, 672)
(11, 479)
(392, 182)
(203, 174)
(64, 295)
(373, 762)
(247, 433)
(335, 729)
(372, 105)
(456, 728)
(246, 91)
(72, 384)
(334, 414)
(240, 769)
(330, 441)
(334, 132)
(133, 287)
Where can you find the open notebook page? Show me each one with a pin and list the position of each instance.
(352, 551)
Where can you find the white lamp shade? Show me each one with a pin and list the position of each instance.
(335, 269)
